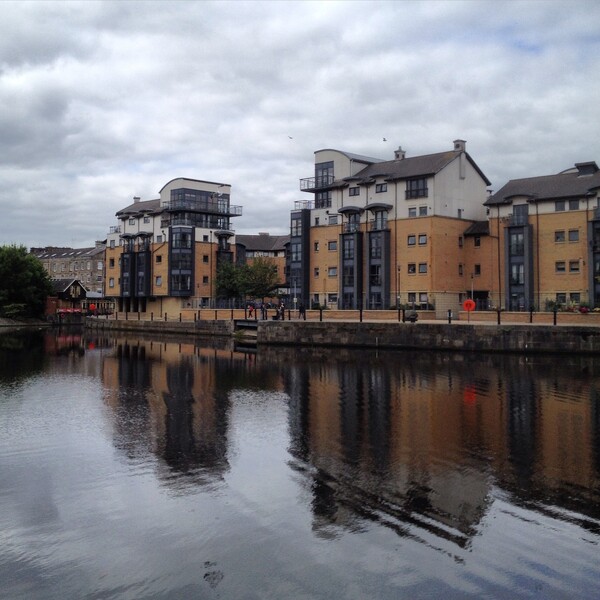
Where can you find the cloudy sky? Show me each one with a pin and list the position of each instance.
(101, 101)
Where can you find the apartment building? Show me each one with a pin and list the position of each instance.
(84, 264)
(271, 248)
(380, 233)
(164, 253)
(547, 230)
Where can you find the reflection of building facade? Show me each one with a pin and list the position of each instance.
(164, 254)
(420, 446)
(383, 232)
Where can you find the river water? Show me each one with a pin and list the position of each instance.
(139, 468)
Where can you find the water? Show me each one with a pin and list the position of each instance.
(160, 468)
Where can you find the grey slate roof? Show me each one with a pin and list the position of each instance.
(263, 242)
(71, 253)
(478, 228)
(568, 184)
(143, 206)
(62, 285)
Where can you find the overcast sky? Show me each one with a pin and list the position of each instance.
(101, 101)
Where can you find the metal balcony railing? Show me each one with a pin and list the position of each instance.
(115, 229)
(518, 220)
(215, 206)
(314, 183)
(351, 227)
(302, 204)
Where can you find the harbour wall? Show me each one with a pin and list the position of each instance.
(458, 337)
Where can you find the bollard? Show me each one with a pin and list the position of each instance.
(360, 314)
(180, 317)
(165, 316)
(138, 315)
(215, 314)
(245, 313)
(116, 316)
(449, 316)
(232, 314)
(399, 315)
(531, 315)
(404, 315)
(152, 316)
(498, 311)
(289, 315)
(320, 314)
(304, 314)
(195, 315)
(554, 317)
(126, 316)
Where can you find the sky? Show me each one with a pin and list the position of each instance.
(103, 101)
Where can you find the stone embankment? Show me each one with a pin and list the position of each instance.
(459, 337)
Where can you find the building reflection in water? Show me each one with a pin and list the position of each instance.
(421, 443)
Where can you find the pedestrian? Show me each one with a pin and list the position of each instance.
(250, 310)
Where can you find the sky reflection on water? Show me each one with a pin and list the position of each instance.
(164, 468)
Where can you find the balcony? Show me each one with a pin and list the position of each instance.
(314, 183)
(303, 204)
(212, 206)
(351, 227)
(418, 193)
(518, 220)
(114, 229)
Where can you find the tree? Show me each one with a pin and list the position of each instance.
(228, 281)
(24, 284)
(259, 279)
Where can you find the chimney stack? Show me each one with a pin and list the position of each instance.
(460, 145)
(136, 199)
(399, 154)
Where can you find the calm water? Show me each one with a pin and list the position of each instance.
(159, 468)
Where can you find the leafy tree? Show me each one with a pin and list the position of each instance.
(259, 279)
(24, 284)
(228, 281)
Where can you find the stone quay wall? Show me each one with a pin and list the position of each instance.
(458, 336)
(434, 336)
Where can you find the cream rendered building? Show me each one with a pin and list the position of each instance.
(380, 233)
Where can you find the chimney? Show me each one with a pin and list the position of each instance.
(399, 154)
(136, 199)
(262, 233)
(460, 145)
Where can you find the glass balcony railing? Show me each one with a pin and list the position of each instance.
(314, 183)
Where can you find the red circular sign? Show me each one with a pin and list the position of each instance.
(469, 305)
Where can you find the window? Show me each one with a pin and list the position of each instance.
(296, 227)
(317, 221)
(412, 268)
(477, 270)
(111, 263)
(332, 246)
(205, 280)
(205, 259)
(559, 236)
(422, 239)
(412, 297)
(422, 211)
(89, 265)
(205, 238)
(159, 258)
(573, 235)
(132, 221)
(412, 211)
(332, 271)
(111, 282)
(460, 213)
(332, 298)
(559, 266)
(182, 239)
(561, 298)
(416, 188)
(380, 187)
(158, 281)
(573, 204)
(348, 277)
(422, 268)
(517, 274)
(423, 297)
(333, 219)
(316, 246)
(146, 219)
(575, 297)
(460, 241)
(460, 270)
(412, 239)
(323, 200)
(112, 243)
(559, 205)
(348, 247)
(477, 241)
(354, 191)
(517, 244)
(375, 274)
(573, 266)
(159, 239)
(316, 271)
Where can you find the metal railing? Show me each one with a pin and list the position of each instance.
(313, 183)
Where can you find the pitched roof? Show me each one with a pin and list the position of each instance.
(478, 228)
(262, 242)
(141, 206)
(62, 285)
(571, 183)
(71, 253)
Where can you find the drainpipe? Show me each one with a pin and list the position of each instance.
(499, 264)
(537, 250)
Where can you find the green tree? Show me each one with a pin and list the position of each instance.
(228, 281)
(24, 284)
(259, 279)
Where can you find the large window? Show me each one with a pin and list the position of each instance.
(416, 188)
(354, 191)
(380, 187)
(375, 275)
(348, 277)
(375, 246)
(348, 247)
(296, 229)
(323, 200)
(296, 252)
(517, 274)
(181, 239)
(517, 247)
(181, 283)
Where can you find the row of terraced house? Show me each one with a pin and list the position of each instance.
(423, 231)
